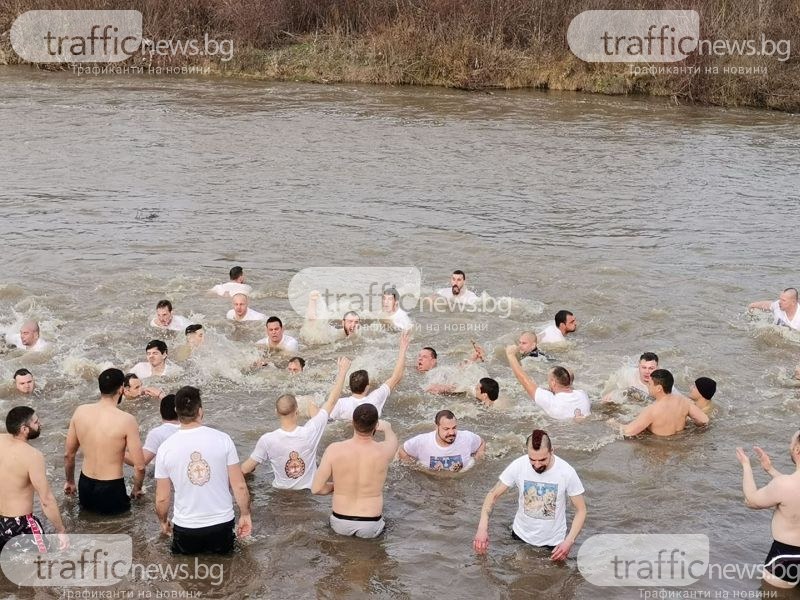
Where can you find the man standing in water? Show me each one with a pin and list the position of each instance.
(354, 471)
(104, 431)
(782, 565)
(784, 309)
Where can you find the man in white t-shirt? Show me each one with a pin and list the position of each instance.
(242, 312)
(426, 359)
(157, 365)
(544, 482)
(457, 293)
(164, 318)
(158, 435)
(560, 401)
(27, 338)
(445, 448)
(565, 323)
(396, 316)
(632, 382)
(292, 449)
(361, 389)
(277, 339)
(201, 465)
(236, 285)
(784, 309)
(351, 322)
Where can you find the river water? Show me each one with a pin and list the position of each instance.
(655, 224)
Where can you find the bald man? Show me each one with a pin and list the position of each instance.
(784, 309)
(27, 338)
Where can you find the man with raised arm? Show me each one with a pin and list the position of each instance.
(560, 401)
(292, 449)
(782, 565)
(784, 309)
(667, 414)
(544, 482)
(103, 432)
(361, 389)
(23, 469)
(202, 466)
(354, 471)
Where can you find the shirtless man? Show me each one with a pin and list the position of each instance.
(667, 414)
(104, 431)
(782, 565)
(354, 471)
(23, 471)
(701, 393)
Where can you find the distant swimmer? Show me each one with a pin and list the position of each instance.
(544, 481)
(195, 337)
(242, 312)
(362, 393)
(164, 318)
(103, 432)
(354, 471)
(133, 389)
(156, 436)
(784, 309)
(561, 401)
(426, 359)
(350, 323)
(23, 381)
(24, 472)
(277, 339)
(392, 312)
(528, 346)
(296, 365)
(632, 382)
(201, 465)
(701, 393)
(565, 323)
(236, 285)
(446, 448)
(486, 391)
(782, 564)
(457, 293)
(157, 365)
(667, 414)
(292, 449)
(27, 338)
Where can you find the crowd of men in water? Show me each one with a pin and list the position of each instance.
(199, 475)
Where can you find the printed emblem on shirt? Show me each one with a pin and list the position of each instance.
(199, 471)
(295, 467)
(540, 500)
(446, 463)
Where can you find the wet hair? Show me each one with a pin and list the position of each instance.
(286, 404)
(359, 380)
(562, 375)
(192, 328)
(168, 408)
(561, 317)
(444, 414)
(274, 320)
(490, 387)
(663, 378)
(299, 360)
(110, 381)
(17, 417)
(392, 292)
(460, 272)
(128, 376)
(187, 403)
(649, 356)
(236, 272)
(162, 347)
(21, 373)
(164, 304)
(538, 439)
(350, 313)
(365, 418)
(432, 351)
(792, 290)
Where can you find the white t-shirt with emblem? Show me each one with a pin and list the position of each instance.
(343, 411)
(551, 335)
(454, 457)
(781, 318)
(563, 404)
(196, 460)
(157, 435)
(178, 323)
(250, 315)
(292, 454)
(231, 288)
(144, 370)
(541, 518)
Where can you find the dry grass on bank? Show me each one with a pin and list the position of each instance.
(471, 44)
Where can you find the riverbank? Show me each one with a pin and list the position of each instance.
(468, 44)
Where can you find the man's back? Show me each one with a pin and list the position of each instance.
(669, 414)
(359, 472)
(102, 433)
(786, 520)
(293, 454)
(16, 490)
